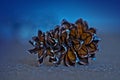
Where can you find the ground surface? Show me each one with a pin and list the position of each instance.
(17, 64)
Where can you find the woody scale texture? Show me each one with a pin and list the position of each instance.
(68, 43)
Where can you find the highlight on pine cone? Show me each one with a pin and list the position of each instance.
(70, 43)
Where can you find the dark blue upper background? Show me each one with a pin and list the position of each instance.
(22, 18)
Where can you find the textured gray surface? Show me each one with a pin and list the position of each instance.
(17, 64)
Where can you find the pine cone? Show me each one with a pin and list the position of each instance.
(70, 43)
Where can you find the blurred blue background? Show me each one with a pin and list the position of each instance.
(21, 19)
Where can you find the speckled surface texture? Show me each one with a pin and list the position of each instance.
(17, 64)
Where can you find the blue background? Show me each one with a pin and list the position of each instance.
(20, 19)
